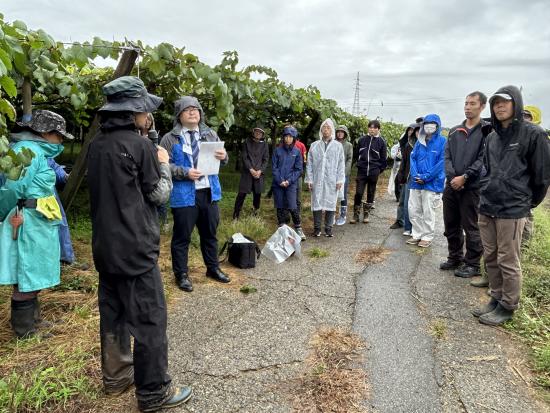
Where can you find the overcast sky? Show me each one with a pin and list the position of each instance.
(414, 57)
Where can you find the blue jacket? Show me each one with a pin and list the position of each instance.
(428, 159)
(67, 251)
(287, 165)
(183, 192)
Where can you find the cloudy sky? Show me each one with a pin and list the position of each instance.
(414, 56)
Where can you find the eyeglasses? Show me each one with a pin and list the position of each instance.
(190, 110)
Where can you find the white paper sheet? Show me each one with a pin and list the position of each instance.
(207, 162)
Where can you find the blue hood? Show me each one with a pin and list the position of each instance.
(431, 118)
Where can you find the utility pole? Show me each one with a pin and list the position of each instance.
(356, 110)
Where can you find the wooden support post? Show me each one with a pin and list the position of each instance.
(124, 68)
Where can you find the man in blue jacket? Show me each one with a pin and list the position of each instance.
(194, 198)
(427, 176)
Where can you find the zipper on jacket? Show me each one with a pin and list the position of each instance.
(368, 156)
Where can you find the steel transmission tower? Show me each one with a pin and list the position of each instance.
(356, 110)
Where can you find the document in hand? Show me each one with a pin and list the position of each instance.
(207, 162)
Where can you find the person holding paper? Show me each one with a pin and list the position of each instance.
(195, 196)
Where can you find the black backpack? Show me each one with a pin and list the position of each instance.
(241, 255)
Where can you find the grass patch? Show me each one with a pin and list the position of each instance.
(247, 289)
(438, 329)
(532, 320)
(317, 252)
(372, 255)
(331, 383)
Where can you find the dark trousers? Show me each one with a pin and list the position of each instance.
(239, 202)
(318, 217)
(134, 306)
(369, 182)
(284, 219)
(460, 215)
(397, 189)
(401, 206)
(205, 214)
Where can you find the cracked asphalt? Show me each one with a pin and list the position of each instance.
(240, 353)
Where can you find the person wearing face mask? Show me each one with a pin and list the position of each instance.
(325, 176)
(128, 177)
(515, 179)
(30, 249)
(255, 156)
(371, 162)
(427, 174)
(463, 163)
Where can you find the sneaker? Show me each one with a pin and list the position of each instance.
(407, 234)
(449, 265)
(317, 233)
(413, 241)
(396, 225)
(467, 271)
(329, 234)
(300, 233)
(424, 244)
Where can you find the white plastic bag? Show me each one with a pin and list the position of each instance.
(282, 244)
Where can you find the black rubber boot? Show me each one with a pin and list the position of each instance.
(478, 312)
(356, 212)
(22, 318)
(496, 317)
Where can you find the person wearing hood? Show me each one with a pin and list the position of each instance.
(397, 155)
(342, 136)
(403, 177)
(371, 161)
(30, 249)
(515, 179)
(194, 199)
(427, 174)
(128, 177)
(255, 156)
(287, 166)
(463, 163)
(325, 176)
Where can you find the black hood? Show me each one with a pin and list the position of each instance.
(117, 120)
(515, 93)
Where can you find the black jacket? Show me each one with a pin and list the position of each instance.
(123, 168)
(255, 156)
(405, 167)
(517, 165)
(372, 155)
(464, 153)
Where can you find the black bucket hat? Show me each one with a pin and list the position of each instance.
(128, 94)
(44, 121)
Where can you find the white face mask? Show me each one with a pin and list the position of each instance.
(430, 128)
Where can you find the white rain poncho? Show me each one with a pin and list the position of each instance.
(325, 168)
